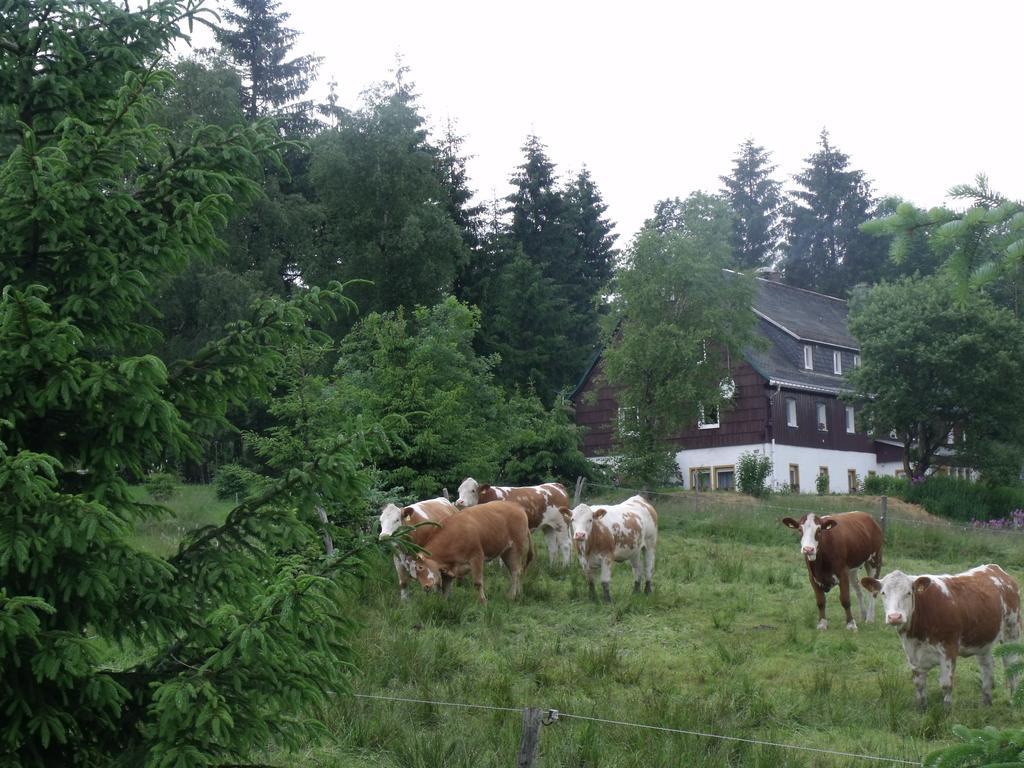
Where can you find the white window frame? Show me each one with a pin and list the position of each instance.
(808, 357)
(791, 411)
(851, 420)
(702, 424)
(821, 416)
(837, 362)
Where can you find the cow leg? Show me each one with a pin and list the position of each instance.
(446, 585)
(920, 675)
(476, 566)
(635, 562)
(588, 571)
(565, 546)
(987, 664)
(819, 598)
(606, 578)
(648, 568)
(513, 559)
(844, 597)
(402, 579)
(947, 666)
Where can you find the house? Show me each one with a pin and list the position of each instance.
(787, 403)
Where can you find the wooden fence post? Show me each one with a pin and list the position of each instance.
(885, 510)
(444, 492)
(328, 542)
(580, 484)
(531, 738)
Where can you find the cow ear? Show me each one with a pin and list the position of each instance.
(565, 513)
(874, 586)
(921, 584)
(406, 514)
(599, 513)
(789, 522)
(828, 524)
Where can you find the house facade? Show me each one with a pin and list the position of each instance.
(790, 402)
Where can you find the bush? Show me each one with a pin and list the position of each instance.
(752, 473)
(951, 497)
(232, 481)
(821, 484)
(162, 485)
(882, 485)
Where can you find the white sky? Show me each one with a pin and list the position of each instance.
(656, 97)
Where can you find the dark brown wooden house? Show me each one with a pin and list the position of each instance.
(788, 403)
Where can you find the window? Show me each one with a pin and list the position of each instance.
(790, 411)
(708, 417)
(823, 472)
(900, 473)
(837, 362)
(725, 478)
(851, 425)
(851, 480)
(856, 361)
(822, 411)
(951, 437)
(794, 476)
(629, 420)
(808, 357)
(872, 473)
(700, 478)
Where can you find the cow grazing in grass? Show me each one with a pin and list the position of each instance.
(833, 546)
(478, 533)
(541, 502)
(939, 618)
(392, 517)
(614, 533)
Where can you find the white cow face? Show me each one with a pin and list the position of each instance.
(810, 527)
(897, 591)
(469, 493)
(582, 521)
(390, 520)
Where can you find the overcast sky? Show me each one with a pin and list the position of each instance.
(654, 98)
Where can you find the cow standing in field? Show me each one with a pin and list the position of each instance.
(939, 618)
(478, 533)
(614, 533)
(392, 517)
(541, 502)
(833, 546)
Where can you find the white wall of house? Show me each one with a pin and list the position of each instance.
(717, 462)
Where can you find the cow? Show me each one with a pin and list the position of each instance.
(478, 533)
(392, 517)
(542, 504)
(833, 546)
(615, 533)
(939, 618)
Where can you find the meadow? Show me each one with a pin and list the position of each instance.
(727, 645)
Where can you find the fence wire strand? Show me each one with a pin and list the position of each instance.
(559, 715)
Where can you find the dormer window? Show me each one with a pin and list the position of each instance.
(837, 362)
(808, 357)
(707, 417)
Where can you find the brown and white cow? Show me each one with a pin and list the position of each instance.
(833, 546)
(478, 533)
(615, 533)
(940, 618)
(392, 517)
(541, 502)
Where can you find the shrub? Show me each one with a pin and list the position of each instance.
(821, 484)
(963, 500)
(882, 485)
(752, 473)
(232, 480)
(161, 485)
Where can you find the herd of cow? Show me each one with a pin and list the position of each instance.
(938, 618)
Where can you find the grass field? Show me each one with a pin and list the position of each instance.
(727, 644)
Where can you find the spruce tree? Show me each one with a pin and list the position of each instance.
(537, 211)
(823, 235)
(109, 654)
(273, 85)
(756, 201)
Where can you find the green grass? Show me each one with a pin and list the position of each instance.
(191, 506)
(726, 644)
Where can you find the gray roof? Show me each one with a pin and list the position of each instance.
(807, 315)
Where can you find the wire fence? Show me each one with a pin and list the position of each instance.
(551, 716)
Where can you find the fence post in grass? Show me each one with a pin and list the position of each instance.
(531, 737)
(580, 483)
(885, 510)
(444, 492)
(328, 542)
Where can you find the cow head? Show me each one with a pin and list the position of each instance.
(897, 590)
(469, 493)
(427, 572)
(390, 520)
(582, 521)
(810, 527)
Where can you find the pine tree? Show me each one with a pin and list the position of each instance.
(273, 84)
(537, 210)
(823, 235)
(109, 654)
(594, 252)
(756, 201)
